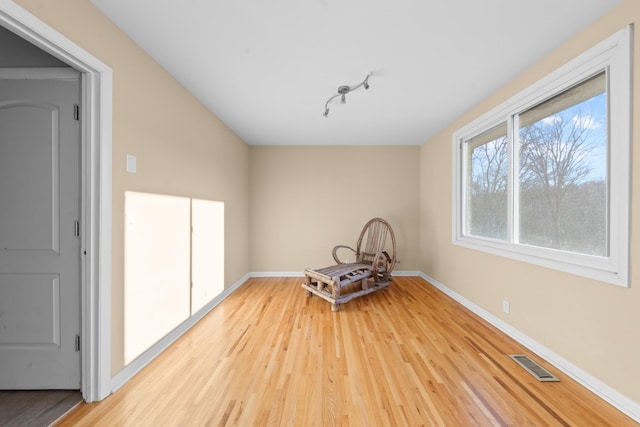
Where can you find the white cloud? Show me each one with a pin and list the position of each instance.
(552, 119)
(586, 121)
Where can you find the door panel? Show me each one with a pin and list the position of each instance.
(39, 250)
(29, 171)
(30, 308)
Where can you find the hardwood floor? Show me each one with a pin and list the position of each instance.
(408, 355)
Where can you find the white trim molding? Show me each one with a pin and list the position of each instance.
(602, 390)
(95, 193)
(301, 274)
(56, 73)
(406, 273)
(276, 274)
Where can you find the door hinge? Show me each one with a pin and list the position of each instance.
(77, 342)
(76, 112)
(76, 228)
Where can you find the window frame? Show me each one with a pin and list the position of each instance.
(613, 55)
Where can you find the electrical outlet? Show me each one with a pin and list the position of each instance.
(505, 306)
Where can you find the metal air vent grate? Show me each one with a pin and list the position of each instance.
(533, 368)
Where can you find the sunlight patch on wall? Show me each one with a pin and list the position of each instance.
(207, 252)
(171, 244)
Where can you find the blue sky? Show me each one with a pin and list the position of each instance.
(592, 113)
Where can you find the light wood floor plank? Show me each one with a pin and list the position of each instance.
(405, 356)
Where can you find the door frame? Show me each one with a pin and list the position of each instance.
(95, 193)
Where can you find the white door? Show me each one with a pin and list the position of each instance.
(39, 246)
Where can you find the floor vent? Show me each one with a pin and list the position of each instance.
(533, 368)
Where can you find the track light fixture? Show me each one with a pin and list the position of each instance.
(343, 91)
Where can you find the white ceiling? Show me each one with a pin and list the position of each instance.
(267, 67)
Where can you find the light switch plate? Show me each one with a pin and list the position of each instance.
(132, 163)
(506, 308)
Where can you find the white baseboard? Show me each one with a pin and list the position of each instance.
(301, 273)
(276, 274)
(613, 397)
(406, 273)
(154, 351)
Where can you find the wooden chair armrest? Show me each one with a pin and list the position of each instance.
(335, 252)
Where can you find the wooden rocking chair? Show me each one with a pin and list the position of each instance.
(375, 258)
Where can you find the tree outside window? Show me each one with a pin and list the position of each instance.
(563, 172)
(562, 179)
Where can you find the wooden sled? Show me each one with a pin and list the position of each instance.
(374, 260)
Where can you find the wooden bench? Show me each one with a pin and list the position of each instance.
(375, 258)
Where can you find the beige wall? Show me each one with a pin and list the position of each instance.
(182, 149)
(306, 200)
(593, 325)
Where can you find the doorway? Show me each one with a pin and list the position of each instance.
(39, 230)
(95, 193)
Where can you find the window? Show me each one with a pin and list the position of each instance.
(563, 170)
(487, 184)
(544, 178)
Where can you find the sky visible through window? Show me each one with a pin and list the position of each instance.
(591, 115)
(563, 175)
(598, 108)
